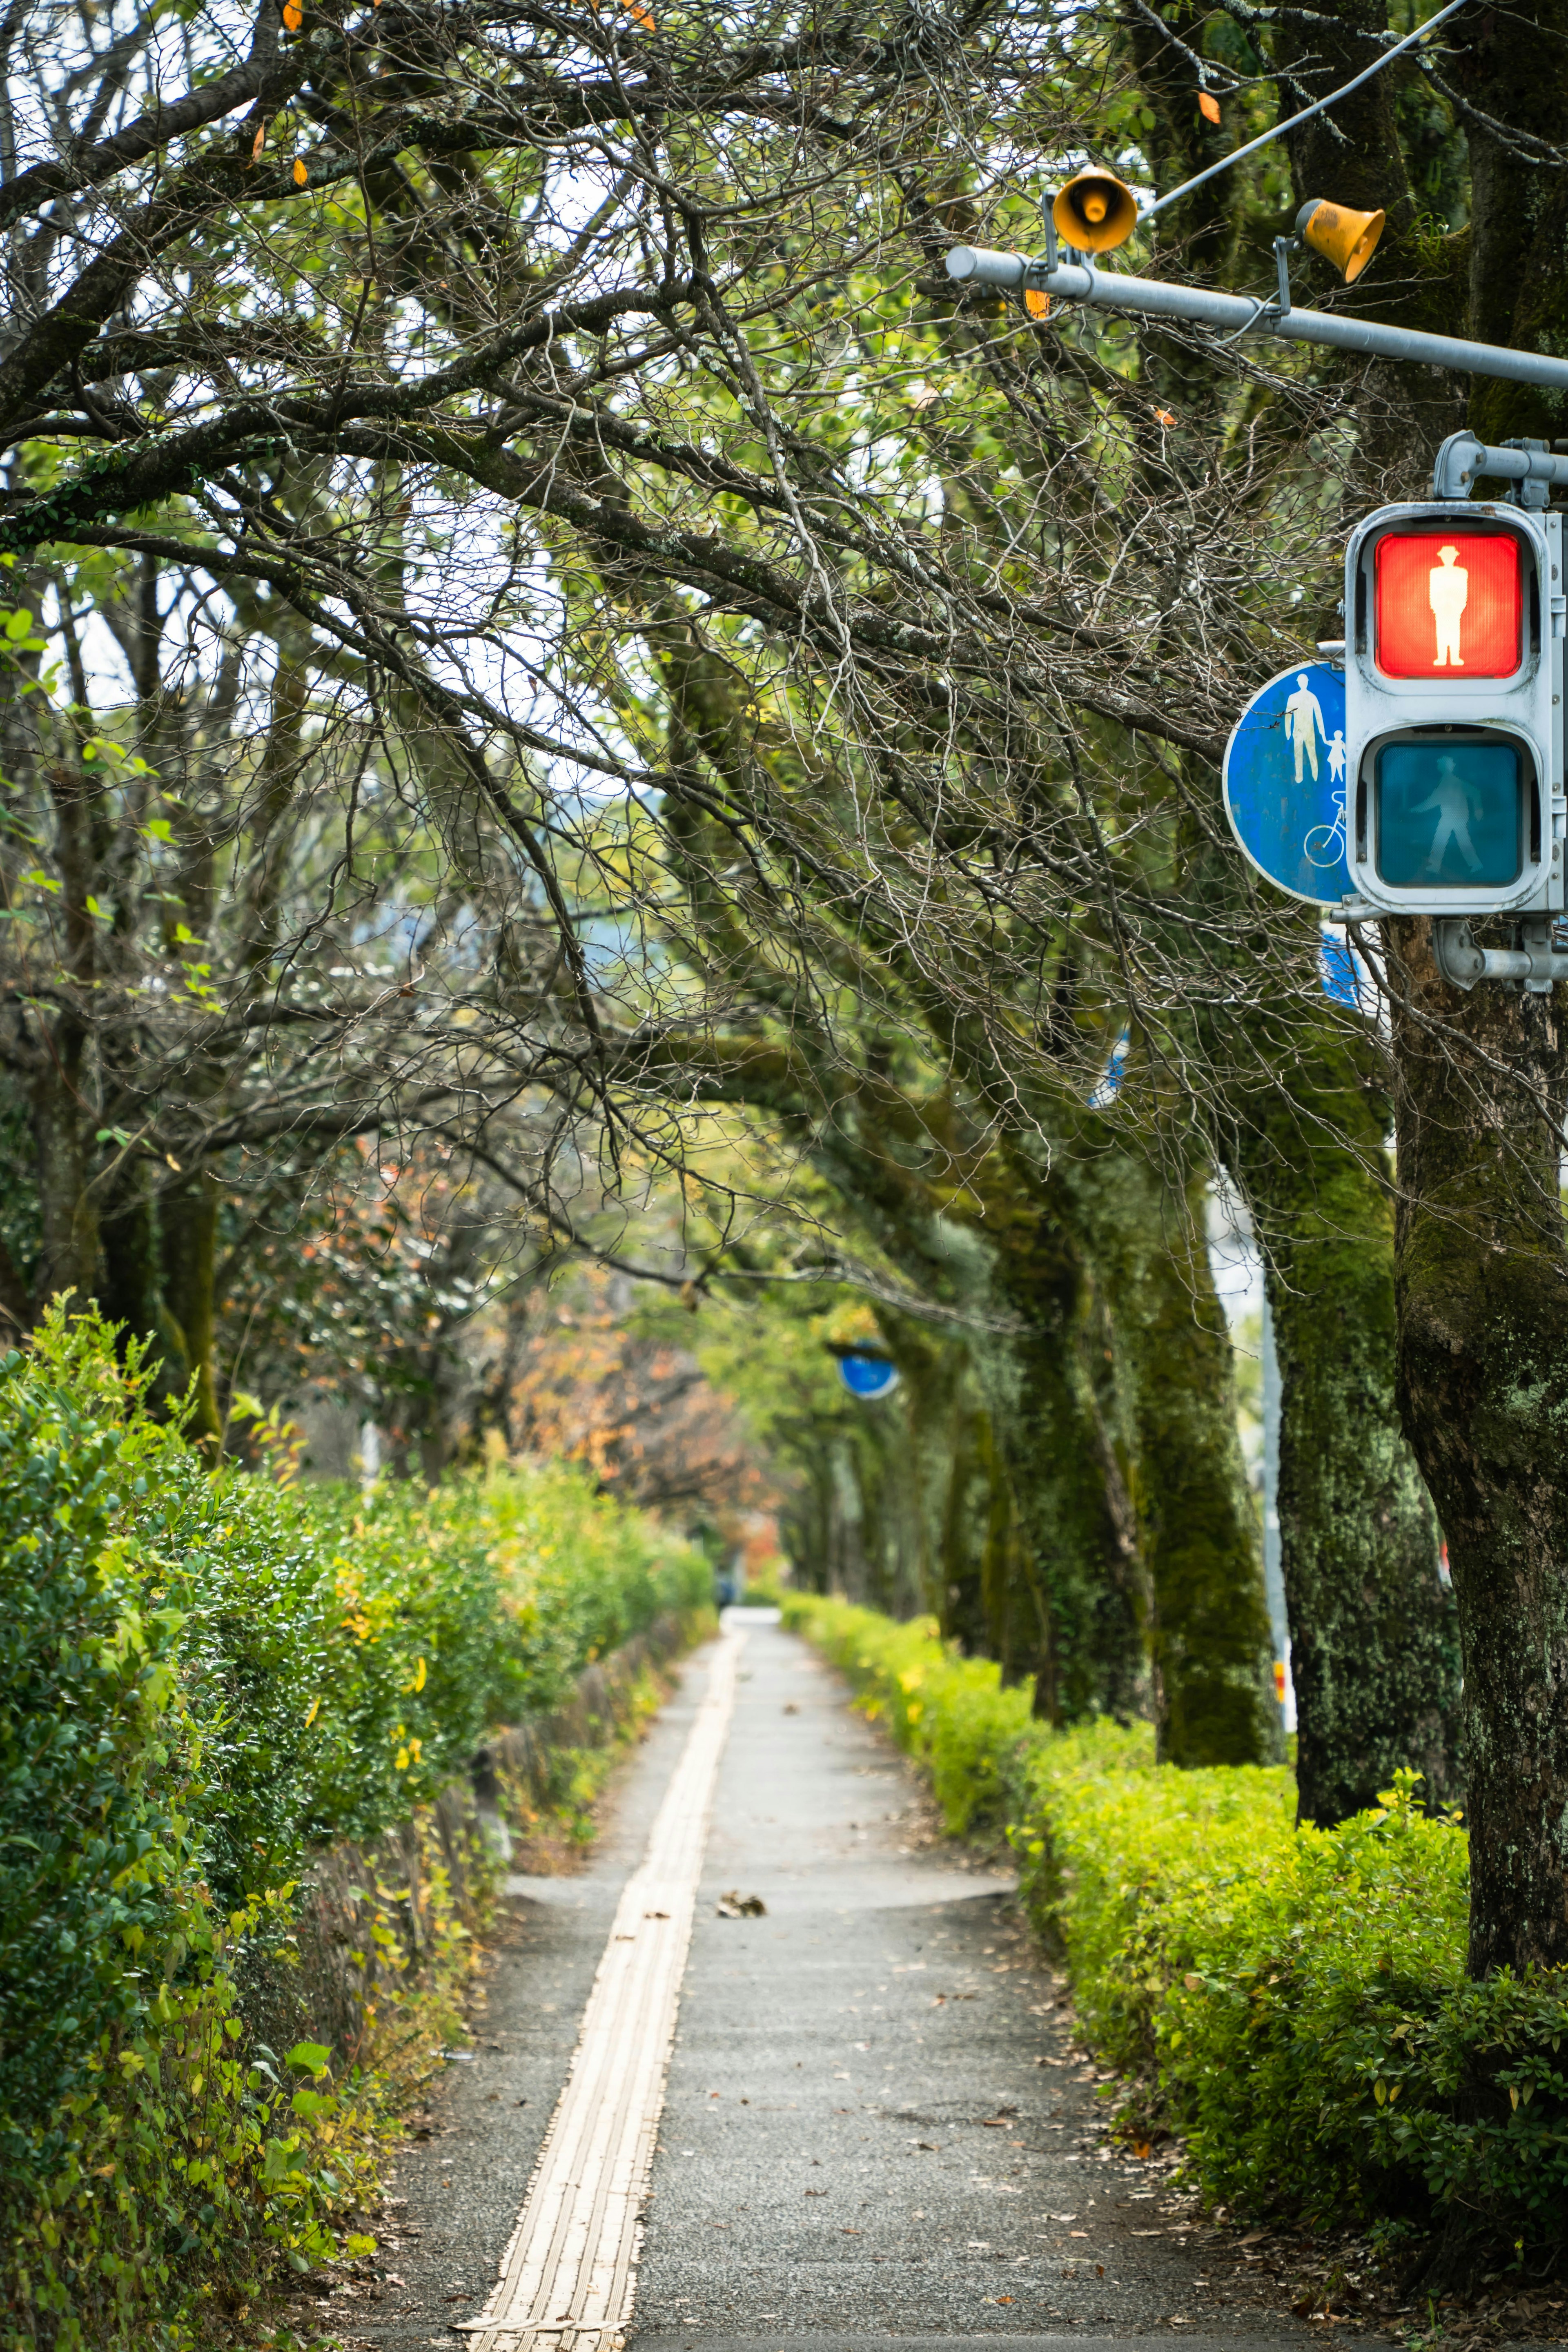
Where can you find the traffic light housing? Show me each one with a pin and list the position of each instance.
(1454, 681)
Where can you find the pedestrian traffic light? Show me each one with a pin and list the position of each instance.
(1454, 681)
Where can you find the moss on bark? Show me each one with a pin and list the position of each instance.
(1483, 1334)
(1373, 1637)
(1208, 1630)
(188, 1246)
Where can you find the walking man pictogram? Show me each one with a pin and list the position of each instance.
(1304, 724)
(1453, 802)
(1449, 593)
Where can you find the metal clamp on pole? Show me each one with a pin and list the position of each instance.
(1534, 965)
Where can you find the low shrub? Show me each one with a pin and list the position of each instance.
(1293, 2000)
(207, 1680)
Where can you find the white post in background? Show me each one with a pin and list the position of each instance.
(369, 1454)
(1273, 1575)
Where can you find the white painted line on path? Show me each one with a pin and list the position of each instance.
(569, 2275)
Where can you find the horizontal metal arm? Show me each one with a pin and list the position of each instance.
(1076, 281)
(1462, 458)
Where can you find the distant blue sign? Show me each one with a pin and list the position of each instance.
(868, 1376)
(1285, 783)
(1342, 980)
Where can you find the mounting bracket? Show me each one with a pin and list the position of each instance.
(1534, 965)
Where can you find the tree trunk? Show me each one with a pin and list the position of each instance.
(1209, 1640)
(1079, 1599)
(68, 1257)
(1481, 1284)
(1373, 1643)
(130, 1287)
(1483, 1334)
(1375, 1646)
(188, 1237)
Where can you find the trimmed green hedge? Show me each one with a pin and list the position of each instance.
(205, 1679)
(1293, 2000)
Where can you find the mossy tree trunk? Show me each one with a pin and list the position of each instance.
(1076, 1596)
(1208, 1632)
(1482, 1081)
(188, 1253)
(1483, 1317)
(1374, 1649)
(1374, 1645)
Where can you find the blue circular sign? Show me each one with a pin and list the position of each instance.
(868, 1376)
(1286, 777)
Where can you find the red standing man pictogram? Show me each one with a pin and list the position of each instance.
(1449, 593)
(1448, 604)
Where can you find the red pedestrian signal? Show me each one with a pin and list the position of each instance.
(1448, 604)
(1456, 631)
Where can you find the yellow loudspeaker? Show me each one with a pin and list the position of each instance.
(1347, 239)
(1095, 211)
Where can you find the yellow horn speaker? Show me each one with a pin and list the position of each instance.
(1347, 239)
(1095, 211)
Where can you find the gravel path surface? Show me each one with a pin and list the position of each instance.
(874, 2124)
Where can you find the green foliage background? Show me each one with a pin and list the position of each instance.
(1293, 2000)
(208, 1679)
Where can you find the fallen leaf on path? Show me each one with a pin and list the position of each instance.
(735, 1905)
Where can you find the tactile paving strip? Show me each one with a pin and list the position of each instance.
(569, 2274)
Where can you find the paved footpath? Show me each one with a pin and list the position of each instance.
(873, 2126)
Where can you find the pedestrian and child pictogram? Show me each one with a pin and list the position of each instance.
(1285, 770)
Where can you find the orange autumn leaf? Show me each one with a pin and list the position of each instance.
(258, 143)
(1163, 416)
(1208, 106)
(642, 16)
(301, 174)
(293, 14)
(1037, 305)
